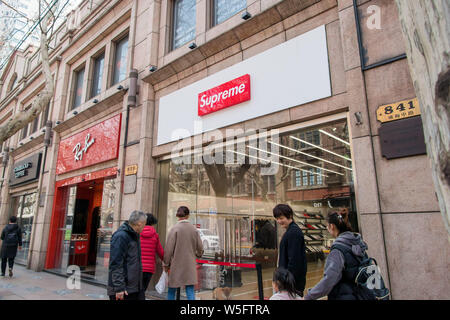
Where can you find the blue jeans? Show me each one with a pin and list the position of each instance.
(189, 293)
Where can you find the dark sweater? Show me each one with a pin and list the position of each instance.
(292, 255)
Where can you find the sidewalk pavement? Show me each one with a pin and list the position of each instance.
(30, 285)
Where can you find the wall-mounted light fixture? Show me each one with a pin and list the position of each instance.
(120, 87)
(58, 122)
(75, 112)
(153, 68)
(192, 46)
(246, 15)
(358, 116)
(95, 101)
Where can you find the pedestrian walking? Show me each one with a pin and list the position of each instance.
(150, 246)
(12, 240)
(292, 254)
(283, 284)
(125, 265)
(337, 284)
(183, 246)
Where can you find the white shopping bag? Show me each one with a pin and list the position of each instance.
(162, 283)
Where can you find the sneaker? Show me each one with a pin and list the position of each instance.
(10, 273)
(2, 274)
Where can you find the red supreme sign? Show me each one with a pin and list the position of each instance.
(224, 96)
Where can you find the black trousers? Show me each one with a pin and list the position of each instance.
(146, 277)
(10, 262)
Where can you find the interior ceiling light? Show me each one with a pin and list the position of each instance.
(281, 164)
(326, 150)
(295, 160)
(309, 155)
(334, 137)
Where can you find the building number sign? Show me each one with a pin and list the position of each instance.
(399, 110)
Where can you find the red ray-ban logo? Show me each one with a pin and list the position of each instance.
(226, 95)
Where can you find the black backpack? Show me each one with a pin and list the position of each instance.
(368, 284)
(11, 238)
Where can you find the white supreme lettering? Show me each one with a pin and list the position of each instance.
(223, 95)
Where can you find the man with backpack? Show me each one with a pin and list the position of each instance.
(12, 239)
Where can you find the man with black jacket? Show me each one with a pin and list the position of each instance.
(125, 266)
(12, 239)
(292, 254)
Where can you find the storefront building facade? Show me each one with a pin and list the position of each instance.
(228, 108)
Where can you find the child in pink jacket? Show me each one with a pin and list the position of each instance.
(150, 246)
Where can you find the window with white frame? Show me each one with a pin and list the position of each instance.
(224, 9)
(183, 22)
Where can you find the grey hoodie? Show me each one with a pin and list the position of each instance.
(335, 264)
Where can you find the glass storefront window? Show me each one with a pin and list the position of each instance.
(231, 202)
(24, 208)
(104, 232)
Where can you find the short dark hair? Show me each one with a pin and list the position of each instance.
(283, 210)
(151, 220)
(182, 212)
(13, 219)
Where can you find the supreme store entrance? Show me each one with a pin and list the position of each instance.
(232, 186)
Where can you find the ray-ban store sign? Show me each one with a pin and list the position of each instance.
(94, 145)
(226, 95)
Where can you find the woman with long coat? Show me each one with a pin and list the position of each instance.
(183, 246)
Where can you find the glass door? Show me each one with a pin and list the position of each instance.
(104, 231)
(24, 208)
(66, 231)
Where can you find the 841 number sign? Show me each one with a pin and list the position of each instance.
(399, 110)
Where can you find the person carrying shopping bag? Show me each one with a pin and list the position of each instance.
(183, 246)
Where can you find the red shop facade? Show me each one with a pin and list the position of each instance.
(83, 207)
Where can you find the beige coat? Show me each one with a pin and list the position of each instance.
(183, 245)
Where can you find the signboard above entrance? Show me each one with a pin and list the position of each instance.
(26, 170)
(97, 144)
(290, 74)
(226, 95)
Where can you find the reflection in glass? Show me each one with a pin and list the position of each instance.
(24, 208)
(224, 9)
(184, 22)
(231, 202)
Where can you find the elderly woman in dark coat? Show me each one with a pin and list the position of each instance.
(11, 240)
